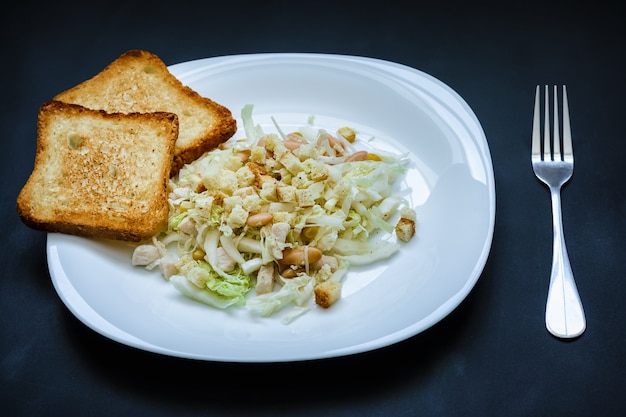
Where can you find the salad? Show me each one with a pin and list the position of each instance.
(275, 220)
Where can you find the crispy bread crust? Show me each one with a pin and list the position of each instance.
(139, 81)
(99, 174)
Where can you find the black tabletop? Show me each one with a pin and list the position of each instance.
(492, 356)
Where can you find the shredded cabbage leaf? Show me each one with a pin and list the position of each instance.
(240, 213)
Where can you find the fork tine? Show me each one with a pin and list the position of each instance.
(546, 126)
(568, 153)
(536, 138)
(556, 139)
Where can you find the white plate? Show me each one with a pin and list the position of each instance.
(450, 181)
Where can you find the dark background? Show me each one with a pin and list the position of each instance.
(491, 357)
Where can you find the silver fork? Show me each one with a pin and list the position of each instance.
(565, 317)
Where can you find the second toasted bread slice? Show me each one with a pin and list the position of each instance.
(138, 81)
(99, 174)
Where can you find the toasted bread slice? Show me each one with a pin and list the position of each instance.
(138, 81)
(99, 174)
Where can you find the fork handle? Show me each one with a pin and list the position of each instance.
(565, 317)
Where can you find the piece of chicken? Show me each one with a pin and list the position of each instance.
(265, 279)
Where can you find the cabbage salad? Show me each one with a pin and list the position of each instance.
(275, 221)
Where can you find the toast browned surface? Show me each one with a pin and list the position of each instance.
(139, 81)
(99, 174)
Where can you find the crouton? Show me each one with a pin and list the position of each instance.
(327, 293)
(405, 229)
